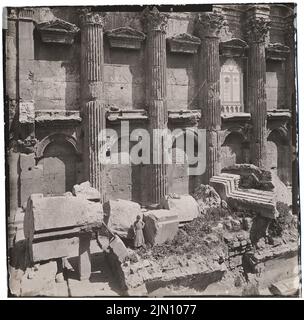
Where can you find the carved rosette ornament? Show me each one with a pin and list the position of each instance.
(210, 24)
(154, 20)
(257, 29)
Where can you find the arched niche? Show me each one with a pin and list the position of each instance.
(58, 156)
(233, 149)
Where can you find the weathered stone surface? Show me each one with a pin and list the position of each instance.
(287, 287)
(118, 249)
(207, 197)
(42, 282)
(59, 212)
(84, 190)
(185, 206)
(120, 216)
(160, 226)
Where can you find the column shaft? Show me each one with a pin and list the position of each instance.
(209, 26)
(156, 99)
(92, 57)
(257, 28)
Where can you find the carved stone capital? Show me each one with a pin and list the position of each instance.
(257, 29)
(209, 24)
(88, 17)
(154, 20)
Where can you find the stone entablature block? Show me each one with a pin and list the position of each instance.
(125, 37)
(277, 51)
(233, 48)
(57, 31)
(184, 43)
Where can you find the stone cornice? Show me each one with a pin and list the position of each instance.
(154, 20)
(125, 37)
(57, 31)
(88, 17)
(209, 24)
(257, 29)
(184, 43)
(233, 48)
(277, 51)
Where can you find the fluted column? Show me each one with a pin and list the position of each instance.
(156, 96)
(257, 28)
(92, 63)
(208, 28)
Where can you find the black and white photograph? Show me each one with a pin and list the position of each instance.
(151, 150)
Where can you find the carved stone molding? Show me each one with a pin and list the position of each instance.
(277, 51)
(154, 20)
(209, 24)
(87, 17)
(57, 31)
(57, 138)
(184, 43)
(257, 29)
(125, 37)
(233, 48)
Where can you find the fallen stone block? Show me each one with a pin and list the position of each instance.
(185, 206)
(286, 287)
(160, 226)
(207, 197)
(120, 216)
(84, 190)
(118, 249)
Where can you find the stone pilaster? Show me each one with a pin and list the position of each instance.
(92, 63)
(208, 28)
(156, 95)
(290, 62)
(257, 29)
(25, 73)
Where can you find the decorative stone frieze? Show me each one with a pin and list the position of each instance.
(57, 31)
(184, 43)
(125, 37)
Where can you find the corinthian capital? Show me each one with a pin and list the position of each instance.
(89, 17)
(257, 28)
(154, 20)
(209, 24)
